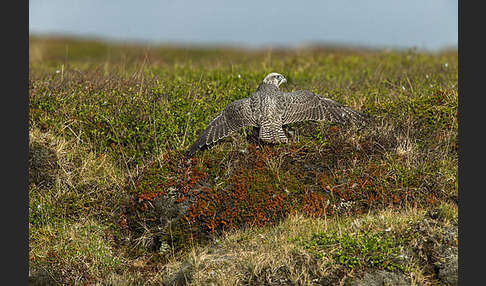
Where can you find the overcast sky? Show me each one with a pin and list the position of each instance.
(424, 24)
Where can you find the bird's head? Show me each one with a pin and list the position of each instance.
(275, 79)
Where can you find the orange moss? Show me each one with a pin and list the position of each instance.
(253, 195)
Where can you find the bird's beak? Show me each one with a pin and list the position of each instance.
(284, 80)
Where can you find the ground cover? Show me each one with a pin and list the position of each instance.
(115, 199)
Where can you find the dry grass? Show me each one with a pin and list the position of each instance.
(100, 127)
(68, 182)
(278, 255)
(73, 171)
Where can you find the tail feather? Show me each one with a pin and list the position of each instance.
(273, 134)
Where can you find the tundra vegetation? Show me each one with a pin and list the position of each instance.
(114, 199)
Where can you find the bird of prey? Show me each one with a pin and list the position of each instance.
(269, 108)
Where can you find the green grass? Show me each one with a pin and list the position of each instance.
(361, 249)
(109, 125)
(315, 251)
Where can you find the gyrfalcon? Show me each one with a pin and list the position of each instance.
(269, 108)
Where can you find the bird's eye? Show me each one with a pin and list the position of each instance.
(277, 77)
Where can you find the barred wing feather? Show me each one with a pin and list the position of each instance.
(235, 116)
(304, 105)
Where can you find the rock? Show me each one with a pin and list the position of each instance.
(448, 271)
(44, 277)
(380, 278)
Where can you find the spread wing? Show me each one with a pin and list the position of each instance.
(303, 105)
(236, 115)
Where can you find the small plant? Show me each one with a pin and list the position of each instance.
(363, 249)
(109, 126)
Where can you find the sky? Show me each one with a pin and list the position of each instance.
(422, 24)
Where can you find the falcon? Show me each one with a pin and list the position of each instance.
(269, 108)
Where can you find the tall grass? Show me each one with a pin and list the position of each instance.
(105, 119)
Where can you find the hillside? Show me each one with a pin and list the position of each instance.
(114, 199)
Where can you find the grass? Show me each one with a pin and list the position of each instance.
(114, 197)
(310, 251)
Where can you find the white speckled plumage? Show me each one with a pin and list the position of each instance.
(269, 109)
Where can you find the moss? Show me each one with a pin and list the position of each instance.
(363, 249)
(126, 121)
(265, 186)
(439, 109)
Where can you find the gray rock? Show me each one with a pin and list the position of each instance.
(380, 278)
(44, 277)
(448, 271)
